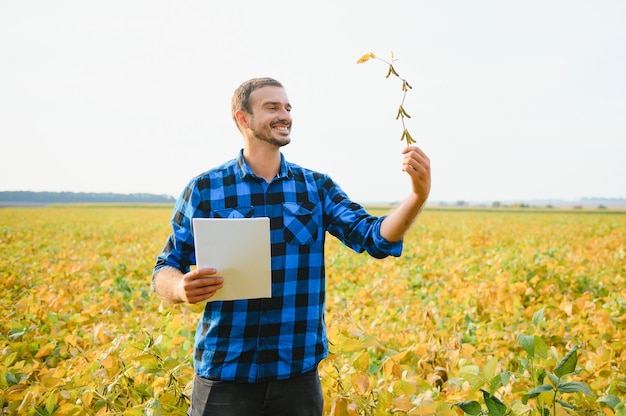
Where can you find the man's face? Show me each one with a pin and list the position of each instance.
(270, 120)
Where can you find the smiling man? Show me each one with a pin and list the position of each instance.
(260, 356)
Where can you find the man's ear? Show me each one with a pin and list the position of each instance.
(242, 119)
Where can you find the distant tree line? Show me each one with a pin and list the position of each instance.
(16, 197)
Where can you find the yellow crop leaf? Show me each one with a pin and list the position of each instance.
(467, 350)
(489, 370)
(399, 356)
(470, 373)
(87, 398)
(148, 361)
(160, 382)
(366, 58)
(101, 334)
(108, 362)
(340, 407)
(104, 411)
(29, 397)
(390, 367)
(519, 408)
(361, 383)
(567, 307)
(348, 345)
(70, 339)
(46, 350)
(177, 340)
(401, 404)
(404, 388)
(362, 362)
(10, 359)
(426, 406)
(421, 349)
(135, 412)
(168, 399)
(50, 382)
(68, 409)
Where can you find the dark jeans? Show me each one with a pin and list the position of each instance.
(297, 396)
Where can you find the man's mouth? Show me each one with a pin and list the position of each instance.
(280, 126)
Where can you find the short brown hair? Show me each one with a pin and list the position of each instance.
(241, 96)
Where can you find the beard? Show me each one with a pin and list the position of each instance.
(268, 138)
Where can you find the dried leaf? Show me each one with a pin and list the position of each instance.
(366, 57)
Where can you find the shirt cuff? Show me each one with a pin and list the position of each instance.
(386, 247)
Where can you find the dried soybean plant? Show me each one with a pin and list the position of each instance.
(402, 114)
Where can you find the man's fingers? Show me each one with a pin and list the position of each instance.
(203, 271)
(203, 281)
(416, 165)
(415, 159)
(202, 289)
(200, 277)
(201, 284)
(414, 149)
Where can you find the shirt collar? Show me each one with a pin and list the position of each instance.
(245, 170)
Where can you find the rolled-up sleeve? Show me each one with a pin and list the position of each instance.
(354, 226)
(179, 247)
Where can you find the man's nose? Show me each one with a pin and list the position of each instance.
(284, 114)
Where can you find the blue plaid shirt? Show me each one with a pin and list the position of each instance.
(272, 338)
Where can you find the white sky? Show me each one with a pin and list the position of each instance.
(511, 100)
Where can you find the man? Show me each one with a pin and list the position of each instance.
(260, 356)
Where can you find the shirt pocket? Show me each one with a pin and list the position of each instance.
(301, 223)
(239, 212)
